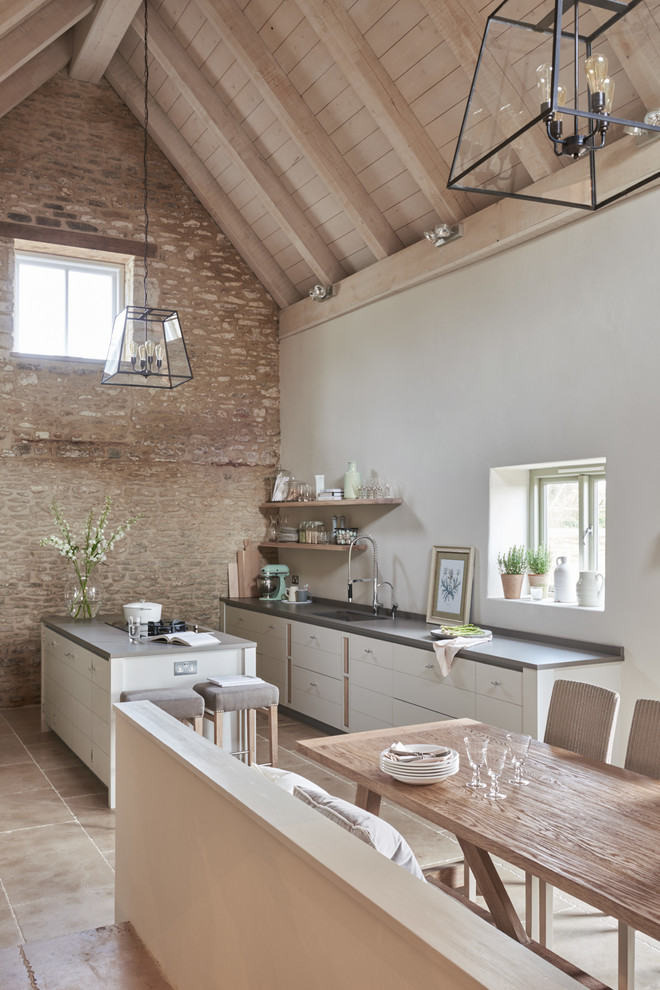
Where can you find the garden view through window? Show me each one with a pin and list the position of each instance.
(571, 513)
(65, 306)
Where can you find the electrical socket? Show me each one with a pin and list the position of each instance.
(185, 667)
(295, 579)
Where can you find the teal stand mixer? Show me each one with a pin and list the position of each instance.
(272, 583)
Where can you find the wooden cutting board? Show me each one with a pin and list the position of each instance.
(248, 561)
(232, 579)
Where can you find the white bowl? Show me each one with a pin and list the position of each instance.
(143, 611)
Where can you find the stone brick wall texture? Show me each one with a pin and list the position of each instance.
(195, 460)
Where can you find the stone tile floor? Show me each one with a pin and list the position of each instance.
(57, 866)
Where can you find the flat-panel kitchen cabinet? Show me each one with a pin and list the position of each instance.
(317, 673)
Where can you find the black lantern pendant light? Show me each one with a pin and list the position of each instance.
(549, 67)
(147, 346)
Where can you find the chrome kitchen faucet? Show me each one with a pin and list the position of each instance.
(373, 580)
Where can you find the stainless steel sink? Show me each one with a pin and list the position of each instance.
(346, 615)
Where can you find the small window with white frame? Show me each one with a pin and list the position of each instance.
(66, 305)
(567, 505)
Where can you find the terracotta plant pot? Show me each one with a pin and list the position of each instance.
(512, 585)
(540, 581)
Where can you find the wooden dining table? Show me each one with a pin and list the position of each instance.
(589, 828)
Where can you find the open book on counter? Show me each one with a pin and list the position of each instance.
(185, 639)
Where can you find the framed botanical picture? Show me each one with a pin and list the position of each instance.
(450, 586)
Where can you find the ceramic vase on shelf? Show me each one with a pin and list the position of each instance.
(83, 599)
(564, 581)
(589, 588)
(352, 481)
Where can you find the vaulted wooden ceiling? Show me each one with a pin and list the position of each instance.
(318, 133)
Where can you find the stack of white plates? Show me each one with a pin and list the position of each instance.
(419, 764)
(287, 534)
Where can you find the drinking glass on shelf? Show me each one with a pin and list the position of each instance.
(476, 744)
(518, 750)
(496, 754)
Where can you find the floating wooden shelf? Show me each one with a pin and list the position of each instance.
(327, 503)
(290, 545)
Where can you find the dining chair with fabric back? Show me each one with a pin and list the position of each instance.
(581, 718)
(642, 756)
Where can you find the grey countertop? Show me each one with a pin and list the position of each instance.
(506, 649)
(106, 640)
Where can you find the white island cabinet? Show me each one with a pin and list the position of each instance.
(86, 665)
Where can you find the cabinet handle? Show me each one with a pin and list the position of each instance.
(51, 642)
(429, 666)
(368, 651)
(312, 636)
(70, 655)
(313, 684)
(496, 683)
(91, 668)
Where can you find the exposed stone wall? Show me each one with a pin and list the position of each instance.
(193, 460)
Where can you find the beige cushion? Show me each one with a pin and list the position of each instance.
(379, 834)
(286, 779)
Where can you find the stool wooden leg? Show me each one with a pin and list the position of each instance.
(217, 729)
(252, 735)
(272, 734)
(198, 724)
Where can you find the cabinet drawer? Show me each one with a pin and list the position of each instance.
(329, 664)
(74, 656)
(377, 652)
(422, 663)
(274, 671)
(499, 683)
(403, 713)
(272, 627)
(316, 637)
(318, 696)
(362, 723)
(368, 675)
(372, 703)
(239, 622)
(499, 713)
(439, 697)
(272, 646)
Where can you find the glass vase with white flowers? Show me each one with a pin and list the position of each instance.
(83, 593)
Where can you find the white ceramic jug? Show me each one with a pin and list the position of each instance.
(352, 481)
(564, 581)
(589, 588)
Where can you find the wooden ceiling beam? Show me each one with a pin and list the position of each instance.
(384, 101)
(35, 33)
(635, 42)
(96, 39)
(286, 102)
(131, 90)
(496, 228)
(33, 74)
(210, 107)
(14, 12)
(457, 23)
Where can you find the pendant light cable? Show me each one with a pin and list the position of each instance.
(145, 150)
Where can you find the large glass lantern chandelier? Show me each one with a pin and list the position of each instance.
(564, 106)
(147, 345)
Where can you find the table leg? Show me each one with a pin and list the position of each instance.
(626, 957)
(491, 887)
(369, 800)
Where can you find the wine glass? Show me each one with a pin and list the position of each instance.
(476, 744)
(496, 754)
(518, 750)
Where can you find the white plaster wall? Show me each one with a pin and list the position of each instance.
(549, 351)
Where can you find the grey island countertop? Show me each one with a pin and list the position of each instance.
(506, 649)
(103, 637)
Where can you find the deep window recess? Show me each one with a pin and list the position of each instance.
(567, 512)
(65, 306)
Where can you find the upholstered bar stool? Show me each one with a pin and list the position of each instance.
(182, 703)
(242, 698)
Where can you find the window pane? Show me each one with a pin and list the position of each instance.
(91, 300)
(41, 310)
(600, 525)
(563, 520)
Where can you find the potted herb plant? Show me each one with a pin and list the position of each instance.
(539, 560)
(512, 570)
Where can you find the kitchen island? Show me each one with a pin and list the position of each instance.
(86, 664)
(374, 673)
